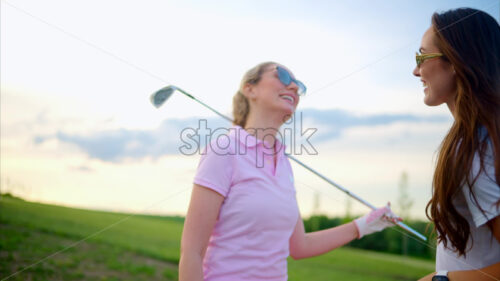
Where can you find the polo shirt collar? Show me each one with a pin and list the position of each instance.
(250, 140)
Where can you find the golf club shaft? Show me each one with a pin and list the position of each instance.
(400, 224)
(204, 104)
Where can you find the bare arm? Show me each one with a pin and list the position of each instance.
(305, 245)
(488, 273)
(200, 220)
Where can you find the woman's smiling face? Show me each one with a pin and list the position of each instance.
(436, 74)
(270, 93)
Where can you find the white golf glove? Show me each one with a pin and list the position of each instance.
(376, 220)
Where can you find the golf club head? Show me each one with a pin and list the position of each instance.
(159, 97)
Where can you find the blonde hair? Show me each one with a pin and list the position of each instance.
(241, 105)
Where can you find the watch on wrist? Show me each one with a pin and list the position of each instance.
(441, 275)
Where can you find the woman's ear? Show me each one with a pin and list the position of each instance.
(248, 91)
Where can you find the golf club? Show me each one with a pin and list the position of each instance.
(159, 97)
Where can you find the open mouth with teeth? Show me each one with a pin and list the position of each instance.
(424, 84)
(288, 98)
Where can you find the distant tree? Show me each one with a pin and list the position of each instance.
(13, 187)
(315, 223)
(348, 208)
(316, 203)
(404, 203)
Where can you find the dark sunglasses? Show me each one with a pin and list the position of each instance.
(287, 79)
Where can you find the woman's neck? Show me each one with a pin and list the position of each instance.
(451, 107)
(263, 127)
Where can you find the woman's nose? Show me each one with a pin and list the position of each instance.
(416, 71)
(293, 86)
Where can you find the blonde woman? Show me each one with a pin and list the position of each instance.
(243, 220)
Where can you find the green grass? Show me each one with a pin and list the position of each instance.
(145, 248)
(355, 264)
(31, 252)
(155, 236)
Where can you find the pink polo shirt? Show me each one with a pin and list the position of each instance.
(250, 240)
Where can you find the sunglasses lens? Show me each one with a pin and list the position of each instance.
(286, 79)
(302, 88)
(284, 76)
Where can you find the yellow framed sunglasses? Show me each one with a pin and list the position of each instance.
(420, 58)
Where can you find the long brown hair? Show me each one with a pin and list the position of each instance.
(470, 41)
(241, 106)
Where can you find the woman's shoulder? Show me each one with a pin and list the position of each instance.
(483, 195)
(484, 158)
(222, 142)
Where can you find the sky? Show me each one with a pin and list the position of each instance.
(77, 127)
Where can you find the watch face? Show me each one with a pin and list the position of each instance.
(440, 278)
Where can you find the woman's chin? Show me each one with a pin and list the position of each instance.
(287, 117)
(428, 100)
(289, 109)
(288, 113)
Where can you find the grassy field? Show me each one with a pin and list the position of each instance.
(73, 244)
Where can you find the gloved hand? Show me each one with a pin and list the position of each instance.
(376, 220)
